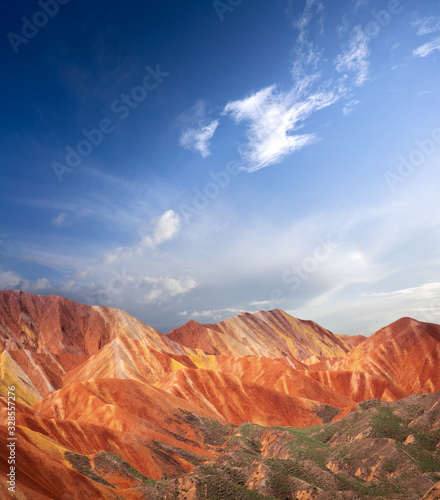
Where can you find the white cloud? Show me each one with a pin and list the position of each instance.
(260, 303)
(213, 314)
(8, 280)
(199, 139)
(355, 58)
(157, 289)
(312, 8)
(307, 54)
(164, 228)
(60, 220)
(63, 220)
(12, 281)
(427, 48)
(197, 129)
(427, 25)
(158, 231)
(360, 3)
(421, 301)
(371, 311)
(274, 118)
(128, 290)
(424, 292)
(348, 108)
(39, 286)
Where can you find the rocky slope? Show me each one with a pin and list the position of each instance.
(405, 353)
(106, 405)
(380, 450)
(271, 334)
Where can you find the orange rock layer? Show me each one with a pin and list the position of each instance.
(100, 395)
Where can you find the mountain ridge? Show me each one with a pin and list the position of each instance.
(109, 403)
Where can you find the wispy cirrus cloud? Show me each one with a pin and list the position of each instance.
(60, 220)
(198, 139)
(65, 220)
(156, 232)
(360, 3)
(426, 49)
(312, 9)
(197, 129)
(423, 301)
(348, 108)
(427, 25)
(307, 53)
(354, 59)
(274, 118)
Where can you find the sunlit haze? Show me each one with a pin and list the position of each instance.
(191, 160)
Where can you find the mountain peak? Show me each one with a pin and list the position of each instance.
(271, 334)
(105, 395)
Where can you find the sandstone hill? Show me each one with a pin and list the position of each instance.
(106, 405)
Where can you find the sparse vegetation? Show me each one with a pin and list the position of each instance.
(224, 482)
(134, 472)
(81, 464)
(385, 424)
(326, 457)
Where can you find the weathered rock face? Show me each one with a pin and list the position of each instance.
(433, 493)
(51, 324)
(106, 404)
(405, 353)
(359, 457)
(270, 334)
(42, 338)
(237, 401)
(352, 340)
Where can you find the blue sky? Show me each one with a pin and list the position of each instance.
(195, 159)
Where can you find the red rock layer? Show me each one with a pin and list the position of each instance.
(279, 375)
(52, 324)
(271, 334)
(42, 338)
(352, 340)
(357, 385)
(238, 401)
(405, 353)
(143, 425)
(84, 382)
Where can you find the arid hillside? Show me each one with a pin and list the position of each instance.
(262, 405)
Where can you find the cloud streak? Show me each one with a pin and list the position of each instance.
(426, 49)
(158, 231)
(274, 118)
(354, 59)
(197, 129)
(199, 139)
(427, 25)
